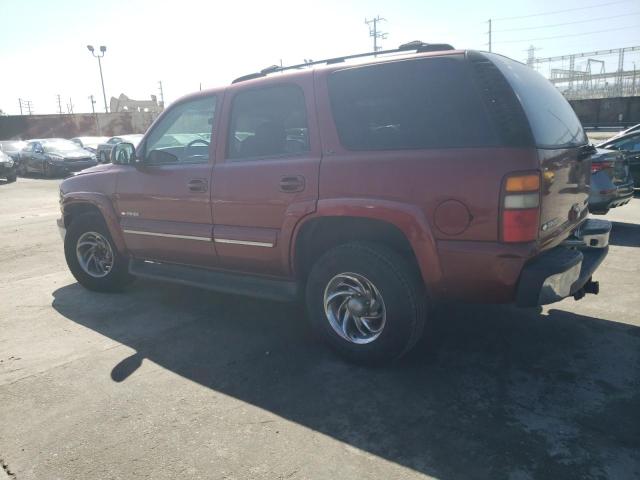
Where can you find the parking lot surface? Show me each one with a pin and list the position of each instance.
(167, 382)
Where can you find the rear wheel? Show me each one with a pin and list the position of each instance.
(367, 302)
(22, 169)
(92, 256)
(11, 178)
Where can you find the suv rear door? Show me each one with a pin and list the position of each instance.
(561, 143)
(266, 176)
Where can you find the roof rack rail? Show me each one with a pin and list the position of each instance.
(417, 46)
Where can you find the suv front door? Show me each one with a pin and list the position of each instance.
(266, 177)
(164, 200)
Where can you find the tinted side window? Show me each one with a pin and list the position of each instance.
(268, 122)
(553, 122)
(184, 133)
(426, 103)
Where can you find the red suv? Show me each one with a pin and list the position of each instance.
(372, 186)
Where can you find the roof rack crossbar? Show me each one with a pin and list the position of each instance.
(417, 46)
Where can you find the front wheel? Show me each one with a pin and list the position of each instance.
(367, 302)
(22, 169)
(11, 178)
(92, 256)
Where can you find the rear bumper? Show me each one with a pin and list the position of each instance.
(565, 270)
(617, 196)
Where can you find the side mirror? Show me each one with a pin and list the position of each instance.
(123, 154)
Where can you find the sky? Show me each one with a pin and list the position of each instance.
(189, 43)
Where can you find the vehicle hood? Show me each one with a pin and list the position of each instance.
(71, 155)
(100, 168)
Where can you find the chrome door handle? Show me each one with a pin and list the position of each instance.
(197, 185)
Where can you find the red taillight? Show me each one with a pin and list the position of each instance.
(599, 166)
(520, 225)
(521, 208)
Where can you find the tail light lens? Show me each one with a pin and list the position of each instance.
(521, 208)
(600, 166)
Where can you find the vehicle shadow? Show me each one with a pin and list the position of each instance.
(507, 394)
(625, 234)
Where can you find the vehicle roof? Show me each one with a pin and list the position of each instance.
(41, 140)
(304, 71)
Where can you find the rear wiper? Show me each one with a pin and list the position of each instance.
(586, 151)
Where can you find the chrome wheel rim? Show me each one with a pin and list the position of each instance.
(94, 254)
(354, 308)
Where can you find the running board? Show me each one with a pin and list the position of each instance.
(234, 283)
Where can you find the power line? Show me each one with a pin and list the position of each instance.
(567, 23)
(571, 35)
(563, 11)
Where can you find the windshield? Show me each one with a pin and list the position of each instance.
(61, 146)
(553, 122)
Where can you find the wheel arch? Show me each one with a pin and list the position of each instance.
(399, 226)
(76, 204)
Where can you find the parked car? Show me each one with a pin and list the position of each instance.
(372, 190)
(89, 143)
(629, 144)
(7, 167)
(103, 150)
(611, 181)
(53, 157)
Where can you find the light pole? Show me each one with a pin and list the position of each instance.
(99, 56)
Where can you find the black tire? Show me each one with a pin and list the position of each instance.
(12, 178)
(22, 169)
(117, 278)
(398, 282)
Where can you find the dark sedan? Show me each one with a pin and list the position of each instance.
(7, 167)
(53, 157)
(103, 151)
(629, 144)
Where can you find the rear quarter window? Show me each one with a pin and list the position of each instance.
(553, 122)
(409, 104)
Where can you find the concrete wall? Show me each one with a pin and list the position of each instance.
(608, 111)
(73, 125)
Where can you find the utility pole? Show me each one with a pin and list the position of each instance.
(20, 103)
(70, 106)
(59, 105)
(161, 95)
(103, 49)
(95, 115)
(373, 31)
(490, 35)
